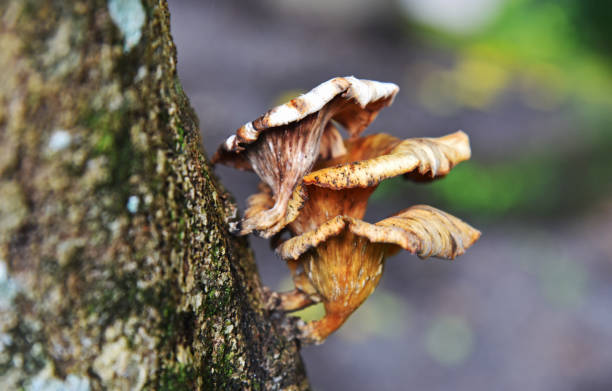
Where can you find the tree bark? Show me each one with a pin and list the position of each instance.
(116, 267)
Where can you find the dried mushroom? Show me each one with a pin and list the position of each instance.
(368, 161)
(433, 157)
(336, 258)
(283, 144)
(340, 263)
(316, 186)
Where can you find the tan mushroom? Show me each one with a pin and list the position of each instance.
(282, 145)
(317, 186)
(340, 263)
(337, 258)
(368, 161)
(427, 157)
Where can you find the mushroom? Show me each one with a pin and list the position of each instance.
(340, 263)
(316, 185)
(282, 145)
(368, 161)
(337, 258)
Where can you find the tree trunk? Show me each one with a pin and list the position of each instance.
(116, 267)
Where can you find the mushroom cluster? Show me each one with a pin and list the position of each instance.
(316, 185)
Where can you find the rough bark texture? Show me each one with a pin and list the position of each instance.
(116, 267)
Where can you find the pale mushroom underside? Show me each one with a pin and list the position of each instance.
(363, 99)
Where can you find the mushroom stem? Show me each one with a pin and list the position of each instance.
(288, 301)
(317, 330)
(264, 220)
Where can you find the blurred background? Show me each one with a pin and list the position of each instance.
(529, 307)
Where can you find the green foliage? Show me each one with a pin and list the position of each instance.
(530, 34)
(554, 56)
(497, 189)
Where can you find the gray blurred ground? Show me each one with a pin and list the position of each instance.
(528, 307)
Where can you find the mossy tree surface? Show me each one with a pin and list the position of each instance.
(116, 267)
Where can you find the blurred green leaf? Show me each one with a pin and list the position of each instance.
(559, 46)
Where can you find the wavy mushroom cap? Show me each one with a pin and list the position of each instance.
(341, 262)
(381, 156)
(283, 144)
(422, 230)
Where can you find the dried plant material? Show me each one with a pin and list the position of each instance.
(427, 157)
(342, 260)
(422, 230)
(358, 149)
(323, 204)
(289, 301)
(310, 207)
(283, 144)
(359, 102)
(344, 270)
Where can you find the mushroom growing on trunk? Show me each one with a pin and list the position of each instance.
(283, 144)
(316, 186)
(334, 256)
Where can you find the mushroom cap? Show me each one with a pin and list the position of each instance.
(425, 157)
(260, 203)
(362, 100)
(283, 144)
(420, 229)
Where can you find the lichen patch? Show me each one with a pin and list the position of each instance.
(129, 16)
(60, 139)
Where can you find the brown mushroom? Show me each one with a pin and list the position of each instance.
(428, 157)
(340, 263)
(317, 185)
(337, 258)
(282, 145)
(368, 161)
